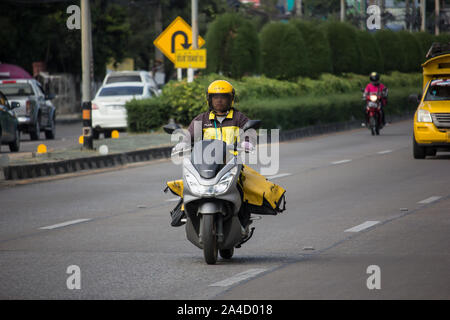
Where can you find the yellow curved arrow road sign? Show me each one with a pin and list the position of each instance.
(177, 36)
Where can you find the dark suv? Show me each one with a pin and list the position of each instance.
(9, 126)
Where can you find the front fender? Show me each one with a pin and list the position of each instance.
(211, 207)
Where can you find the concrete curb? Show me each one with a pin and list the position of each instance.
(29, 171)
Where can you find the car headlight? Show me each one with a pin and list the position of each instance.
(424, 116)
(210, 190)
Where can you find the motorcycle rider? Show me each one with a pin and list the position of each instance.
(380, 89)
(222, 121)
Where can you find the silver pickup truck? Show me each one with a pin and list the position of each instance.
(36, 112)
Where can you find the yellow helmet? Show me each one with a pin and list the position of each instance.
(220, 87)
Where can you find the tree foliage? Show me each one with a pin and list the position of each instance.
(316, 47)
(283, 51)
(233, 46)
(345, 55)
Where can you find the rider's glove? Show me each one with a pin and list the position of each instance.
(247, 146)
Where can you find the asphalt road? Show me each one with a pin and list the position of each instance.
(361, 212)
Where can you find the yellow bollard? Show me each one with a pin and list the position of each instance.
(81, 140)
(115, 134)
(42, 148)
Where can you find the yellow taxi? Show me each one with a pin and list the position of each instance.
(432, 118)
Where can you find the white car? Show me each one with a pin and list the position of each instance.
(108, 107)
(132, 76)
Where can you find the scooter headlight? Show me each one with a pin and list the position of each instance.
(210, 190)
(373, 98)
(224, 183)
(424, 116)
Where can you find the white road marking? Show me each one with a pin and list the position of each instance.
(429, 200)
(384, 151)
(250, 273)
(341, 161)
(362, 226)
(64, 224)
(173, 199)
(279, 175)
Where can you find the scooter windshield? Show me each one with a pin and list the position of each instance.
(209, 157)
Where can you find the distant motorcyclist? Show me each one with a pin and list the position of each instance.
(375, 86)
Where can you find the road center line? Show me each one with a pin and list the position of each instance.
(279, 175)
(362, 226)
(64, 224)
(429, 200)
(384, 151)
(341, 161)
(250, 273)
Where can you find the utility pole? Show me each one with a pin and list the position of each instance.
(342, 10)
(363, 14)
(194, 14)
(87, 68)
(422, 14)
(298, 8)
(436, 19)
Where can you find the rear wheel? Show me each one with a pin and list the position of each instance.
(51, 132)
(209, 239)
(36, 130)
(107, 134)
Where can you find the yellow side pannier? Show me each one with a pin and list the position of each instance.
(260, 196)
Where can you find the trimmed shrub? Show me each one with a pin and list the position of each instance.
(413, 51)
(345, 54)
(282, 51)
(317, 47)
(297, 112)
(392, 53)
(233, 46)
(371, 59)
(182, 101)
(143, 115)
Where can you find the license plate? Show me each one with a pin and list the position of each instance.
(117, 107)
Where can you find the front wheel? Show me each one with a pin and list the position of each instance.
(15, 145)
(209, 238)
(226, 253)
(418, 151)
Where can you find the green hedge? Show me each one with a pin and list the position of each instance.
(233, 46)
(282, 51)
(296, 112)
(182, 101)
(370, 53)
(345, 55)
(316, 46)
